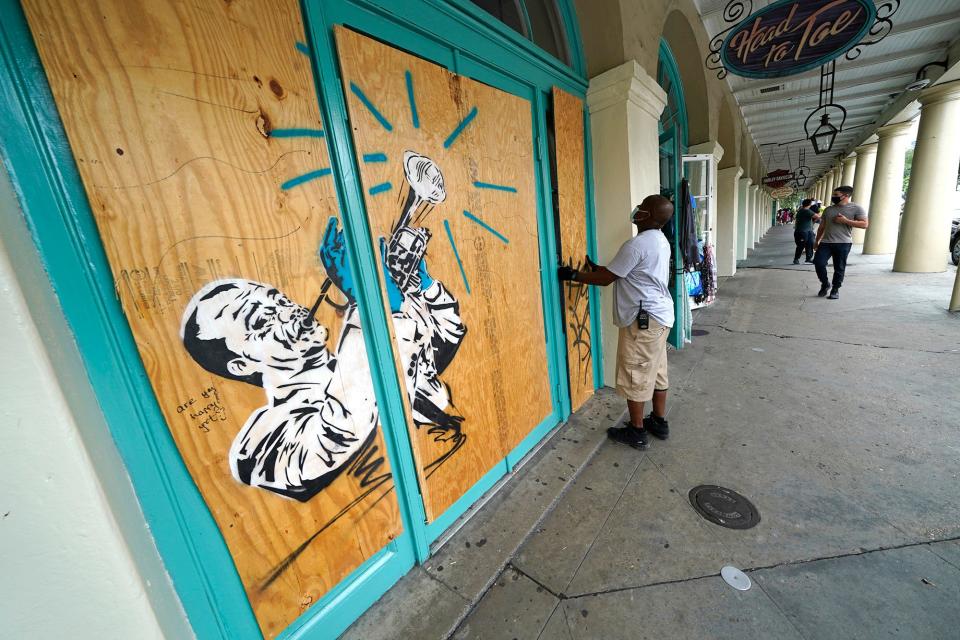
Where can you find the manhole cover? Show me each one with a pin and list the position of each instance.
(724, 507)
(700, 332)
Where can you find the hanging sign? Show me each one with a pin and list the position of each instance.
(792, 36)
(781, 192)
(778, 178)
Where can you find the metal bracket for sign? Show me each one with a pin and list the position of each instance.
(882, 26)
(734, 14)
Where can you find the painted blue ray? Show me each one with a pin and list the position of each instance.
(460, 127)
(297, 133)
(483, 224)
(414, 116)
(303, 48)
(380, 188)
(497, 187)
(456, 254)
(306, 177)
(374, 157)
(372, 109)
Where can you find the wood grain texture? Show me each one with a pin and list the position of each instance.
(170, 109)
(571, 181)
(498, 380)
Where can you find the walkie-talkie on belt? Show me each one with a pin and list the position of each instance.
(643, 318)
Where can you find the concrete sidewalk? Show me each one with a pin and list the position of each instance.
(840, 420)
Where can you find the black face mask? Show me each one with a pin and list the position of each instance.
(836, 199)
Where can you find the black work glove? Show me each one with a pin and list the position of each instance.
(566, 273)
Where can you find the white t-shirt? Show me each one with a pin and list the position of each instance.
(643, 267)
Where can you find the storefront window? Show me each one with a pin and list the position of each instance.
(536, 20)
(506, 11)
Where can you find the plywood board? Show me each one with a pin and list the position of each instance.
(571, 181)
(457, 155)
(196, 130)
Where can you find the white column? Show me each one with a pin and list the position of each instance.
(829, 185)
(727, 207)
(863, 176)
(884, 212)
(933, 180)
(625, 105)
(743, 217)
(754, 199)
(849, 167)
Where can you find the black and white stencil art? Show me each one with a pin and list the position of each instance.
(320, 410)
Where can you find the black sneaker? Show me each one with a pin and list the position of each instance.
(808, 261)
(657, 427)
(629, 435)
(823, 290)
(797, 261)
(834, 295)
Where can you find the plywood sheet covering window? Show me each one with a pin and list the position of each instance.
(447, 170)
(196, 131)
(571, 182)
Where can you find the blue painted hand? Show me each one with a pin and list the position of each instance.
(333, 254)
(393, 291)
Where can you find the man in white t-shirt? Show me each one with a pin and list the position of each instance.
(643, 310)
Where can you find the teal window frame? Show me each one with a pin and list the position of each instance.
(35, 153)
(667, 68)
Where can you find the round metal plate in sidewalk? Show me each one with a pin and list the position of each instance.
(735, 578)
(724, 507)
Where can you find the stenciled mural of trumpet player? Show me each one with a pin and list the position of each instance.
(320, 411)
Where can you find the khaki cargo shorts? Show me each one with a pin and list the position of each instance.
(642, 361)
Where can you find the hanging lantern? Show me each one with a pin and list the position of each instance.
(824, 135)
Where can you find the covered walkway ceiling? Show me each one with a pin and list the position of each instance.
(873, 87)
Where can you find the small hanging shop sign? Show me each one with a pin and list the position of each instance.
(793, 36)
(778, 178)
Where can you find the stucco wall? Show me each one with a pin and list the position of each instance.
(68, 570)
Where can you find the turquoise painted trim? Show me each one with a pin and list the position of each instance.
(436, 528)
(746, 24)
(669, 64)
(62, 226)
(551, 291)
(446, 25)
(319, 19)
(596, 338)
(531, 440)
(337, 610)
(574, 43)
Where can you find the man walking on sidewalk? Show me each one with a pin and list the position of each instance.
(835, 237)
(803, 232)
(643, 310)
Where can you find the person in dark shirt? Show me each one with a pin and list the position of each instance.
(803, 232)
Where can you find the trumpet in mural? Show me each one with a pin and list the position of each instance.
(321, 412)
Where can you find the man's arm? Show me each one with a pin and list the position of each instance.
(600, 276)
(859, 224)
(816, 243)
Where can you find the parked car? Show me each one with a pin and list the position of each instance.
(955, 241)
